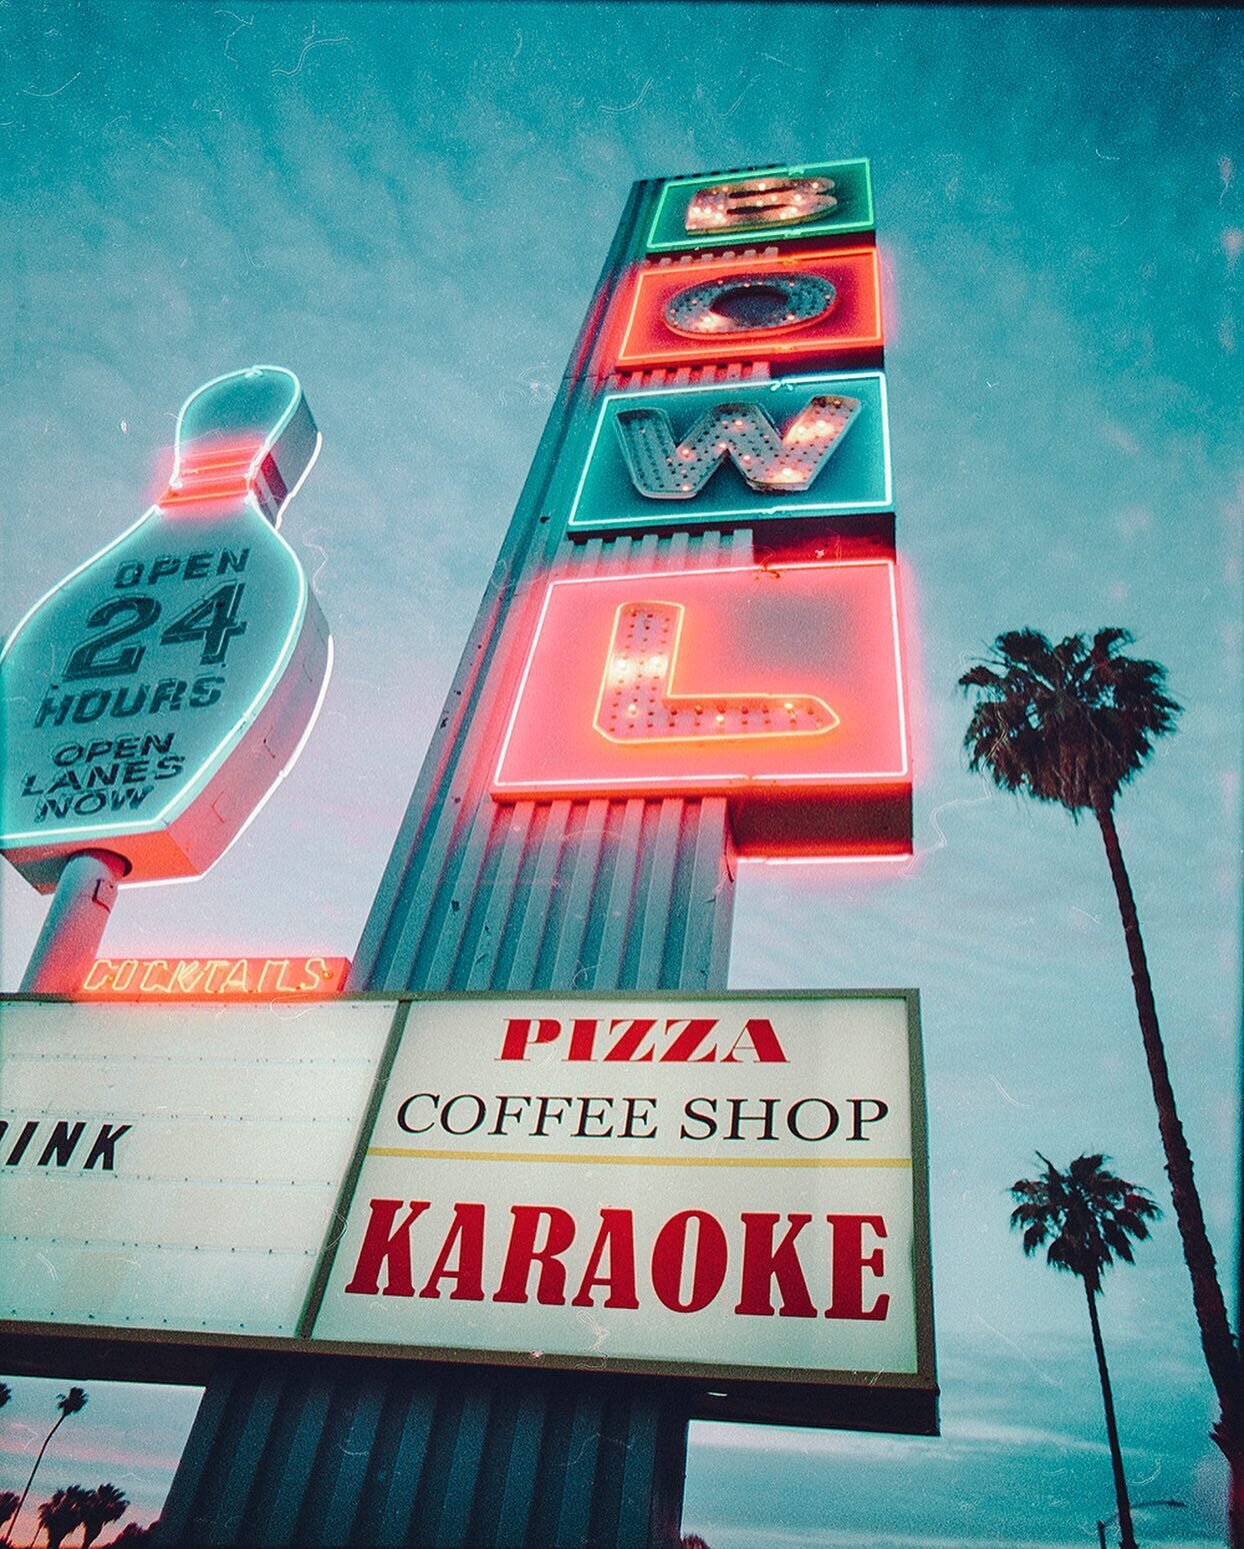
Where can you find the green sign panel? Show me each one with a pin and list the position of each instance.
(826, 198)
(806, 446)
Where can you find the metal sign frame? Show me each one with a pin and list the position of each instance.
(825, 1397)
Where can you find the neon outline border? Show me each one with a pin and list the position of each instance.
(216, 758)
(758, 233)
(712, 783)
(265, 446)
(684, 516)
(773, 339)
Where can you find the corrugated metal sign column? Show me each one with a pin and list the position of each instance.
(568, 894)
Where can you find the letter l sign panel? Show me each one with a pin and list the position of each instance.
(778, 687)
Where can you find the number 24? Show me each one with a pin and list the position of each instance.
(213, 620)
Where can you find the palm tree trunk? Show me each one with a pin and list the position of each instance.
(13, 1525)
(1221, 1354)
(1127, 1538)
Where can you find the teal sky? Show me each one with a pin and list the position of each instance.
(409, 205)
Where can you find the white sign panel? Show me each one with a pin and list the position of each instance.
(175, 1168)
(693, 1186)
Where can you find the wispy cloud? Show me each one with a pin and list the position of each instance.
(960, 1436)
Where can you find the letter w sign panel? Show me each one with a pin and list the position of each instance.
(806, 446)
(729, 1187)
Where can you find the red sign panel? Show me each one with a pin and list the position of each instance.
(779, 687)
(807, 303)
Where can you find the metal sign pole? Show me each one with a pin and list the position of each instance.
(599, 889)
(74, 925)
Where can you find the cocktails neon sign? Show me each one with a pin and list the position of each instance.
(213, 978)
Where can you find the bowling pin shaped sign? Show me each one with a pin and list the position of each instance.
(154, 698)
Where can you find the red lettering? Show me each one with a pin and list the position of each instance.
(695, 1031)
(631, 1039)
(519, 1035)
(708, 1269)
(385, 1245)
(521, 1253)
(466, 1234)
(617, 1235)
(849, 1264)
(759, 1034)
(582, 1039)
(763, 1264)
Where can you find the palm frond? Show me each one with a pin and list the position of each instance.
(1088, 1216)
(1069, 723)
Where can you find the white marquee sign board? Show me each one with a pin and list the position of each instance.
(175, 1168)
(729, 1186)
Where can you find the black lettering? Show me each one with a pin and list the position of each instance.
(50, 707)
(480, 1110)
(206, 691)
(91, 705)
(105, 1145)
(61, 1146)
(403, 1115)
(792, 1121)
(708, 1120)
(857, 1115)
(503, 1112)
(23, 1140)
(633, 1116)
(586, 1117)
(168, 691)
(738, 1118)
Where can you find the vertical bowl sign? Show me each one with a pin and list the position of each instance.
(155, 697)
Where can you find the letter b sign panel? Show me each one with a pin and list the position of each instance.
(780, 688)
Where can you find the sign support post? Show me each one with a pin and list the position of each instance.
(74, 924)
(606, 881)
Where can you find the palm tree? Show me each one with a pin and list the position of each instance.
(69, 1404)
(1087, 1215)
(1073, 723)
(10, 1500)
(97, 1507)
(61, 1514)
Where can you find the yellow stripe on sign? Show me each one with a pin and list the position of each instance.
(599, 1160)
